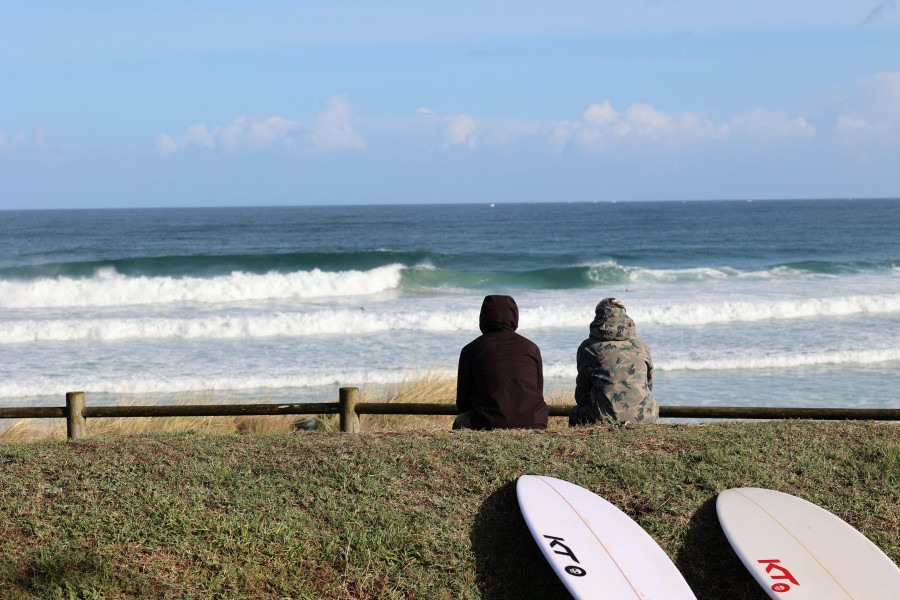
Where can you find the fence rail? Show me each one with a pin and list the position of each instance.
(349, 409)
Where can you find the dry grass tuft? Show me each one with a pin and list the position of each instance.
(432, 386)
(31, 430)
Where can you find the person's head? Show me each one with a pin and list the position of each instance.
(498, 313)
(610, 307)
(610, 321)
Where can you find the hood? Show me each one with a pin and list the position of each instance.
(611, 323)
(498, 313)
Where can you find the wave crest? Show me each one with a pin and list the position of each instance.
(737, 312)
(412, 273)
(109, 288)
(340, 321)
(785, 361)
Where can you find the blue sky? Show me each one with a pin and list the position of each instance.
(116, 104)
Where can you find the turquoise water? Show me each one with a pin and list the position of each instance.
(772, 303)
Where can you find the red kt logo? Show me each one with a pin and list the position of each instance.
(774, 565)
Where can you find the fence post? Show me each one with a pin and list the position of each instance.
(349, 418)
(75, 428)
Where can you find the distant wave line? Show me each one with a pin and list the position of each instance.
(107, 287)
(340, 321)
(212, 265)
(487, 264)
(785, 361)
(756, 310)
(754, 363)
(136, 385)
(110, 288)
(262, 384)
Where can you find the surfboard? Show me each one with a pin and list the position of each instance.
(596, 550)
(796, 549)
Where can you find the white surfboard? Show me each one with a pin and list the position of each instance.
(796, 549)
(596, 550)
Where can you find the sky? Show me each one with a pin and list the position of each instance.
(221, 103)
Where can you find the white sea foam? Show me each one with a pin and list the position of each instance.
(341, 321)
(601, 273)
(270, 383)
(325, 322)
(637, 274)
(644, 275)
(566, 371)
(755, 362)
(137, 385)
(750, 311)
(785, 361)
(707, 313)
(110, 288)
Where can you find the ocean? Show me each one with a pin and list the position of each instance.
(764, 303)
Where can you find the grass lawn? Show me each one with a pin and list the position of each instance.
(412, 514)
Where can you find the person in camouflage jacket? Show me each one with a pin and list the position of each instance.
(615, 371)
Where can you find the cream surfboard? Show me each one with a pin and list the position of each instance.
(797, 550)
(596, 550)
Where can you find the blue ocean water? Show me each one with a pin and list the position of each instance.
(793, 303)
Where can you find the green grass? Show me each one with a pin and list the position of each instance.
(427, 514)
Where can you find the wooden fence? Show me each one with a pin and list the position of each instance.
(348, 408)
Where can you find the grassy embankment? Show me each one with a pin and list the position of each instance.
(414, 514)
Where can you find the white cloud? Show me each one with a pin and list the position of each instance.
(199, 135)
(165, 145)
(600, 114)
(8, 140)
(645, 121)
(561, 132)
(872, 115)
(461, 130)
(760, 123)
(40, 138)
(851, 124)
(601, 125)
(494, 132)
(230, 135)
(243, 132)
(331, 128)
(270, 131)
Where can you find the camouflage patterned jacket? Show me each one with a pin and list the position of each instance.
(615, 371)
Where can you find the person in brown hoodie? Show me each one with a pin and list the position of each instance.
(501, 379)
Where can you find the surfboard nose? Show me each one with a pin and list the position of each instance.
(595, 549)
(791, 545)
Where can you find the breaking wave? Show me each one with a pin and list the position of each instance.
(339, 321)
(110, 288)
(785, 361)
(269, 384)
(261, 384)
(751, 311)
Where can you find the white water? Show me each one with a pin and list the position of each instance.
(251, 323)
(110, 288)
(302, 335)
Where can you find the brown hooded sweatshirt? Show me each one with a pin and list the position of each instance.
(501, 374)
